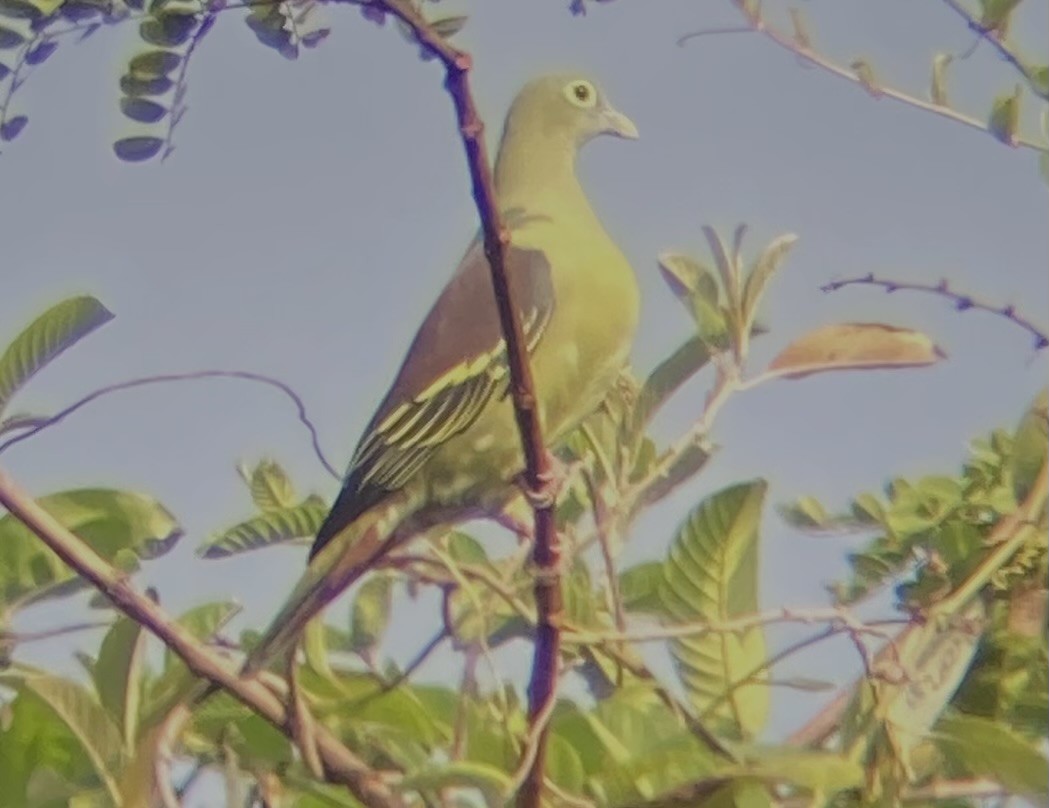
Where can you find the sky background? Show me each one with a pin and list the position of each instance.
(313, 210)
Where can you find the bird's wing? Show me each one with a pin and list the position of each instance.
(456, 364)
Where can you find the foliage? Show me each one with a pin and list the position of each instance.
(956, 691)
(636, 742)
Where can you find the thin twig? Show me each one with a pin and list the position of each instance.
(47, 634)
(1007, 54)
(404, 675)
(521, 780)
(803, 50)
(961, 302)
(833, 615)
(340, 764)
(165, 738)
(538, 468)
(178, 108)
(788, 651)
(34, 426)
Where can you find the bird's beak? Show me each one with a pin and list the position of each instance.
(616, 123)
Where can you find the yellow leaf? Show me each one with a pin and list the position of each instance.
(855, 346)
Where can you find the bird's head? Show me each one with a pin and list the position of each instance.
(569, 105)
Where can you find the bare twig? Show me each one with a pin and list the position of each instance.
(33, 426)
(165, 738)
(833, 615)
(961, 302)
(340, 764)
(539, 472)
(801, 47)
(178, 108)
(993, 36)
(17, 637)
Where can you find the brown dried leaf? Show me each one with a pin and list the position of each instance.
(855, 346)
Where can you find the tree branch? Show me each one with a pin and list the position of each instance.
(35, 425)
(961, 302)
(858, 73)
(340, 764)
(538, 469)
(993, 36)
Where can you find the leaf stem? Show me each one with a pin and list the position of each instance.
(801, 48)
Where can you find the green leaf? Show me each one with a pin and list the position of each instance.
(117, 675)
(138, 148)
(938, 88)
(371, 613)
(121, 526)
(490, 781)
(9, 38)
(204, 622)
(865, 76)
(805, 513)
(711, 574)
(695, 286)
(1005, 116)
(994, 14)
(804, 684)
(20, 10)
(727, 263)
(937, 657)
(274, 527)
(142, 109)
(669, 375)
(1029, 446)
(465, 548)
(81, 713)
(271, 489)
(153, 63)
(683, 468)
(144, 85)
(761, 273)
(988, 748)
(826, 773)
(742, 793)
(631, 747)
(168, 29)
(58, 328)
(1040, 80)
(639, 588)
(33, 741)
(223, 723)
(448, 26)
(271, 26)
(175, 682)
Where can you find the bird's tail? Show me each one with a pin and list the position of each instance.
(345, 558)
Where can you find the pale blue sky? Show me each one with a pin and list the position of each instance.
(313, 209)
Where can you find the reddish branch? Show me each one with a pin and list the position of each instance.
(340, 764)
(538, 469)
(961, 302)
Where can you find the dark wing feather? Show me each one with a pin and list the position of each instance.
(455, 365)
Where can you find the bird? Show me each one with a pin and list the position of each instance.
(443, 445)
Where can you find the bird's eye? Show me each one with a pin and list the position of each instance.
(581, 94)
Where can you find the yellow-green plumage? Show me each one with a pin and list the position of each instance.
(443, 445)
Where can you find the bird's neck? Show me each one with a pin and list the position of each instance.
(532, 171)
